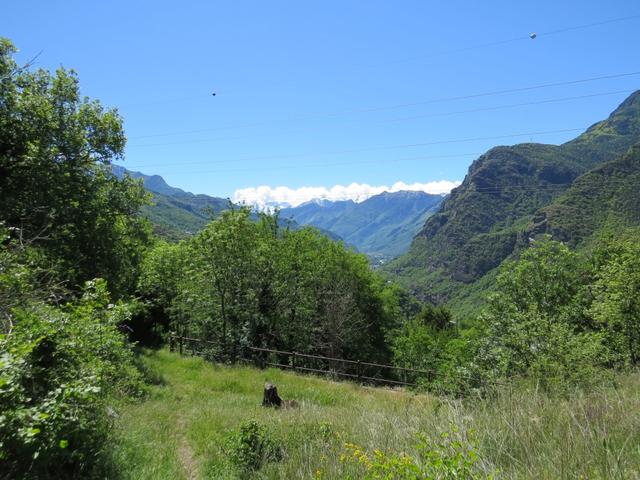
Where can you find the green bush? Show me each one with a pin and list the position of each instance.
(419, 343)
(616, 302)
(448, 458)
(536, 325)
(58, 365)
(251, 446)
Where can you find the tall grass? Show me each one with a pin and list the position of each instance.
(181, 430)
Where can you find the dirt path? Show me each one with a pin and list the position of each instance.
(185, 453)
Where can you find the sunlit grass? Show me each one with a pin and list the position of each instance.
(522, 433)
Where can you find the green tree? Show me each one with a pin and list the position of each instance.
(58, 366)
(421, 343)
(246, 281)
(58, 192)
(616, 305)
(162, 273)
(224, 257)
(535, 324)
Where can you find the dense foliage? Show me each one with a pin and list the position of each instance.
(65, 221)
(447, 459)
(558, 317)
(244, 283)
(57, 367)
(58, 192)
(421, 342)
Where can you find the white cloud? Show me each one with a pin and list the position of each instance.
(265, 197)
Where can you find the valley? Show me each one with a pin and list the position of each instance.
(418, 257)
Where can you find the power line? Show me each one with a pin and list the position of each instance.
(502, 92)
(490, 190)
(514, 105)
(539, 186)
(588, 25)
(447, 52)
(503, 188)
(521, 38)
(397, 106)
(388, 147)
(323, 165)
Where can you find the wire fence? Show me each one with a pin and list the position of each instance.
(336, 368)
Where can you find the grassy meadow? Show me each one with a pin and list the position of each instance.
(182, 428)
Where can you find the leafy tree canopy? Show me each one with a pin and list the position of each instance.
(58, 192)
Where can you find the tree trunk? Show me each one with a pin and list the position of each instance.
(271, 397)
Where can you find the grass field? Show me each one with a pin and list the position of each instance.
(180, 430)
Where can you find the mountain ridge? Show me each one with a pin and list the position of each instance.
(382, 225)
(484, 220)
(605, 197)
(175, 213)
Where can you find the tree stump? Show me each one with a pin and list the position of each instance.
(271, 397)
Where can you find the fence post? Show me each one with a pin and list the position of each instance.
(293, 361)
(359, 371)
(181, 345)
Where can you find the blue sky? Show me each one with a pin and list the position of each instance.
(315, 93)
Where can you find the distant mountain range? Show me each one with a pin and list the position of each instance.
(381, 226)
(511, 194)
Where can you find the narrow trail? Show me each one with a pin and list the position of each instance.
(185, 453)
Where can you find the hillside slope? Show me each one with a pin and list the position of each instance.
(484, 220)
(175, 213)
(607, 196)
(602, 202)
(182, 429)
(381, 225)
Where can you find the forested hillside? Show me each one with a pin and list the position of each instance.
(606, 198)
(174, 213)
(484, 220)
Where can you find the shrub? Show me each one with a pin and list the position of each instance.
(449, 458)
(57, 367)
(616, 305)
(419, 345)
(535, 324)
(251, 446)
